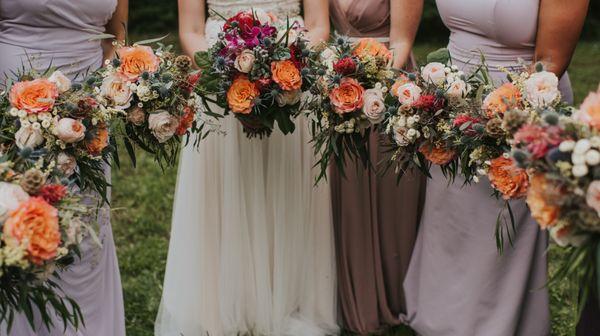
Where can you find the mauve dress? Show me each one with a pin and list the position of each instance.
(375, 220)
(57, 32)
(458, 284)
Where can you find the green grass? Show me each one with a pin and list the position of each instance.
(142, 200)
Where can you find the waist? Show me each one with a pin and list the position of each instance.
(49, 39)
(281, 9)
(470, 49)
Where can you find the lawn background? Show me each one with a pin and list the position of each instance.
(143, 196)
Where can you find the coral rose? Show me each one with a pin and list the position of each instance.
(35, 224)
(286, 75)
(348, 96)
(540, 199)
(504, 98)
(241, 95)
(437, 154)
(510, 180)
(589, 112)
(34, 96)
(371, 47)
(98, 142)
(137, 60)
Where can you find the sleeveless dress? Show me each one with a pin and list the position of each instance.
(375, 220)
(40, 33)
(458, 284)
(251, 247)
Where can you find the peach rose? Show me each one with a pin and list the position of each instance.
(510, 180)
(35, 224)
(244, 61)
(371, 47)
(504, 98)
(437, 154)
(63, 83)
(69, 130)
(34, 96)
(408, 94)
(137, 60)
(241, 95)
(286, 75)
(348, 96)
(589, 112)
(434, 72)
(401, 80)
(116, 90)
(540, 200)
(96, 145)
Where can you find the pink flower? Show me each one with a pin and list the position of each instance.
(464, 118)
(537, 139)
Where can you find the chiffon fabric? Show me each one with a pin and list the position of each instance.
(458, 284)
(251, 247)
(375, 220)
(38, 34)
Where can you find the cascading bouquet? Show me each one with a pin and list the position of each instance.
(43, 224)
(47, 115)
(151, 90)
(348, 100)
(257, 71)
(562, 155)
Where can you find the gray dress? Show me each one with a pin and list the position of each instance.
(457, 283)
(39, 33)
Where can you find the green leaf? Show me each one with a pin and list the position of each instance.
(441, 55)
(150, 41)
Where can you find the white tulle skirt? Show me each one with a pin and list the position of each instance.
(251, 246)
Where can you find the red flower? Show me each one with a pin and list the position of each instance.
(191, 81)
(345, 66)
(429, 103)
(53, 193)
(263, 83)
(296, 57)
(464, 118)
(185, 122)
(537, 139)
(244, 20)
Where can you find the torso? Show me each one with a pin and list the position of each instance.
(360, 18)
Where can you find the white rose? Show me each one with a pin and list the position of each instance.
(244, 61)
(408, 93)
(11, 196)
(66, 164)
(29, 136)
(63, 83)
(458, 89)
(373, 105)
(115, 88)
(288, 97)
(400, 136)
(434, 72)
(541, 88)
(163, 125)
(69, 130)
(580, 170)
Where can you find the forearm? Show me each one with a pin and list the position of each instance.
(317, 35)
(405, 18)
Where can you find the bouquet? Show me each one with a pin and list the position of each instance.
(47, 115)
(349, 100)
(151, 90)
(257, 71)
(42, 227)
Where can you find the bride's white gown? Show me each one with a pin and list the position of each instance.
(251, 247)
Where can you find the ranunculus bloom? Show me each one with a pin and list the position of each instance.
(541, 88)
(345, 66)
(589, 111)
(69, 130)
(186, 121)
(241, 95)
(99, 141)
(53, 193)
(163, 125)
(436, 154)
(137, 60)
(434, 72)
(28, 136)
(371, 47)
(34, 96)
(286, 75)
(540, 200)
(244, 61)
(115, 89)
(348, 96)
(504, 98)
(35, 224)
(408, 93)
(510, 180)
(593, 196)
(373, 106)
(538, 139)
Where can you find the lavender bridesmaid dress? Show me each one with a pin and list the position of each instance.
(457, 283)
(375, 220)
(39, 33)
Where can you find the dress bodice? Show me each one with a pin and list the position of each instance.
(361, 18)
(281, 8)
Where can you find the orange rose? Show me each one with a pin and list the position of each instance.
(348, 96)
(137, 60)
(435, 154)
(541, 199)
(510, 180)
(286, 75)
(504, 98)
(34, 96)
(99, 141)
(35, 224)
(241, 95)
(371, 47)
(401, 80)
